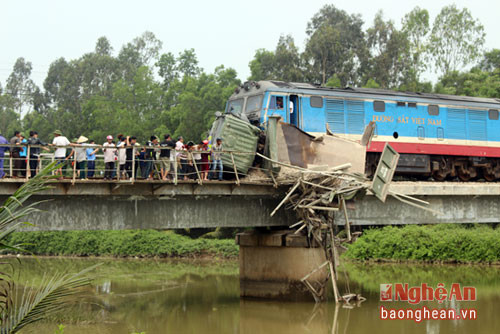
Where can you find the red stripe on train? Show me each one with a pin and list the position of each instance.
(439, 149)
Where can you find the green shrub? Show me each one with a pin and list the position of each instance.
(121, 243)
(444, 242)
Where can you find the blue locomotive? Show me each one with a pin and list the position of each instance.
(440, 135)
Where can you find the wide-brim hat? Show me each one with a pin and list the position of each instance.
(58, 132)
(82, 139)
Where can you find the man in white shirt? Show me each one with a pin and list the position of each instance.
(109, 157)
(60, 153)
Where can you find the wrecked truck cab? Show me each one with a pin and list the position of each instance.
(240, 140)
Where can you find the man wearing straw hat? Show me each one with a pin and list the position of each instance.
(81, 156)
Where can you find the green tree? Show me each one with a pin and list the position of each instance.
(390, 60)
(472, 83)
(456, 39)
(20, 85)
(287, 61)
(416, 28)
(9, 119)
(335, 45)
(167, 69)
(334, 81)
(262, 65)
(490, 61)
(133, 108)
(284, 64)
(103, 46)
(141, 51)
(187, 63)
(197, 100)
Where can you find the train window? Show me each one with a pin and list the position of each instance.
(440, 133)
(254, 103)
(493, 114)
(235, 106)
(433, 110)
(401, 104)
(276, 102)
(421, 132)
(379, 106)
(412, 105)
(316, 102)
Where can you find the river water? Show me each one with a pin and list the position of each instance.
(159, 296)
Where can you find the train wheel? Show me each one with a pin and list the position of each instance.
(490, 177)
(465, 177)
(436, 175)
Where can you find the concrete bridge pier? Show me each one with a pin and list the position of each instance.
(273, 264)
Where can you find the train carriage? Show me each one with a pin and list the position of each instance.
(440, 135)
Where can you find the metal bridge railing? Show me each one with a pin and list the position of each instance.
(128, 164)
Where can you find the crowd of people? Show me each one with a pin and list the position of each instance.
(123, 158)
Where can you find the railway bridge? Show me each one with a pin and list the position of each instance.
(101, 205)
(272, 264)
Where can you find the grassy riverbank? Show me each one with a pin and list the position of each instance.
(144, 243)
(430, 243)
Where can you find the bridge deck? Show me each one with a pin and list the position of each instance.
(149, 188)
(98, 204)
(445, 188)
(99, 187)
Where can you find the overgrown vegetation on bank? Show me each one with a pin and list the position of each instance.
(144, 243)
(430, 243)
(445, 242)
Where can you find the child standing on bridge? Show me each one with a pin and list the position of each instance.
(91, 159)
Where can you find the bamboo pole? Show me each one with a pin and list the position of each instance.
(133, 165)
(287, 196)
(332, 259)
(175, 166)
(347, 226)
(52, 161)
(28, 169)
(314, 207)
(335, 319)
(10, 164)
(235, 170)
(195, 168)
(74, 169)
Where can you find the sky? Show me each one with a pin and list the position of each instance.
(221, 31)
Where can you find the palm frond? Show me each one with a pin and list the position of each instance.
(14, 207)
(34, 304)
(38, 303)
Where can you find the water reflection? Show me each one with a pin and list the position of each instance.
(203, 297)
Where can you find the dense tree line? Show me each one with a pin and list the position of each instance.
(141, 91)
(138, 92)
(338, 52)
